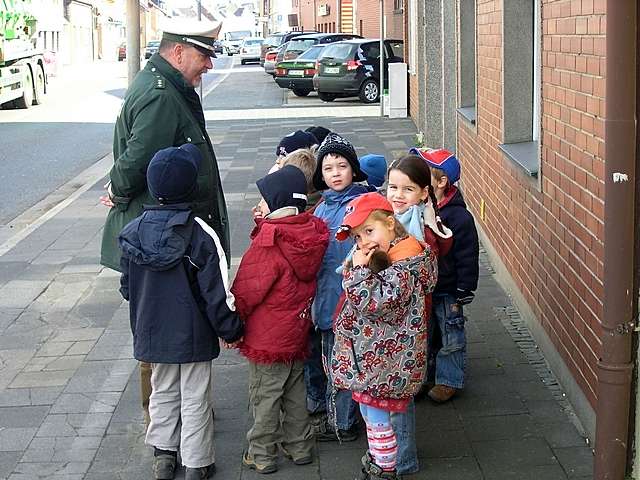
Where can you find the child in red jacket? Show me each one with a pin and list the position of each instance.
(274, 289)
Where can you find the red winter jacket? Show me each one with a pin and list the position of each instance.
(275, 286)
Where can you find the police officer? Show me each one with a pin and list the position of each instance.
(162, 109)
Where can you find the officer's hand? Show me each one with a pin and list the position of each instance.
(106, 201)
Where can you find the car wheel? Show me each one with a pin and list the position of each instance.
(369, 92)
(298, 92)
(242, 62)
(326, 97)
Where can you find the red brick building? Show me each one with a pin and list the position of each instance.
(350, 16)
(519, 90)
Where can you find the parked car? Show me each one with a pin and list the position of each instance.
(270, 59)
(276, 40)
(122, 52)
(305, 42)
(152, 47)
(297, 74)
(250, 50)
(352, 68)
(218, 46)
(233, 40)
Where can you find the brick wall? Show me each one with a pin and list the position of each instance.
(549, 235)
(368, 19)
(309, 18)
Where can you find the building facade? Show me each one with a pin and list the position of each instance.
(361, 17)
(519, 89)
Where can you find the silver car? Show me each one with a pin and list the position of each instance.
(271, 58)
(250, 50)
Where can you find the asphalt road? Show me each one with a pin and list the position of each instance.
(45, 146)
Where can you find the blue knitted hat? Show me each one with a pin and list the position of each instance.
(375, 166)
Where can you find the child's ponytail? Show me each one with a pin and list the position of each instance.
(436, 210)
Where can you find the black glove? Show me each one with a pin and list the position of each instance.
(464, 297)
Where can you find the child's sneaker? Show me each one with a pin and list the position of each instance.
(328, 434)
(199, 473)
(164, 464)
(250, 462)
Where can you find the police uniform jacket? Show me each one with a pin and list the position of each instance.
(160, 110)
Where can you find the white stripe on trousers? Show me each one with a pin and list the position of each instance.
(180, 410)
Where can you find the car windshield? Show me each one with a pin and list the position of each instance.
(301, 45)
(397, 48)
(155, 43)
(274, 40)
(253, 41)
(338, 51)
(312, 53)
(238, 35)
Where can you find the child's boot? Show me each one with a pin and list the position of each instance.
(164, 464)
(371, 471)
(199, 473)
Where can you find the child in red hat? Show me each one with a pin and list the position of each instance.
(381, 331)
(458, 272)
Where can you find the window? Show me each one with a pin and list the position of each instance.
(338, 51)
(360, 32)
(521, 95)
(467, 60)
(397, 6)
(371, 51)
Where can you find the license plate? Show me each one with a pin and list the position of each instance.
(331, 69)
(296, 73)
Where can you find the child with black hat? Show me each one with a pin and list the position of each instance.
(274, 288)
(174, 275)
(290, 143)
(337, 172)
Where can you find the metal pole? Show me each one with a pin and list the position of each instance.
(615, 367)
(133, 39)
(381, 87)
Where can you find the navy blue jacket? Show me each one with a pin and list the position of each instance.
(174, 275)
(458, 270)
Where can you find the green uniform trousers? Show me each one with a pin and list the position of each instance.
(277, 399)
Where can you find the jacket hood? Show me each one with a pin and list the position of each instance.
(158, 239)
(346, 195)
(302, 239)
(453, 198)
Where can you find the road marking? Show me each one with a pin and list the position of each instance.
(225, 73)
(27, 222)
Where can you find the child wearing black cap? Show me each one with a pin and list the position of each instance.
(274, 288)
(174, 275)
(337, 172)
(290, 143)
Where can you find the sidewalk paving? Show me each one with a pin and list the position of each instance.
(69, 401)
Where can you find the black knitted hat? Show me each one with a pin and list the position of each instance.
(319, 132)
(295, 141)
(337, 145)
(172, 174)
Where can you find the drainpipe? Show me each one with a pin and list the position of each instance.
(615, 367)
